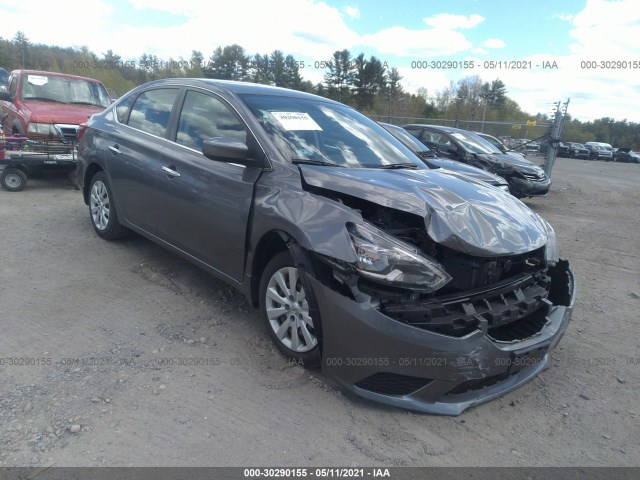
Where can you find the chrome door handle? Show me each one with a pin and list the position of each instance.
(170, 171)
(114, 148)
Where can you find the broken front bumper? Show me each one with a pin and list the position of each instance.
(383, 359)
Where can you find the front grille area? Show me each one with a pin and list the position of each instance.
(523, 328)
(535, 176)
(507, 311)
(68, 132)
(392, 384)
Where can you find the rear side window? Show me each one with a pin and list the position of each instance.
(123, 107)
(204, 116)
(151, 111)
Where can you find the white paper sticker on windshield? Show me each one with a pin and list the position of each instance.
(37, 80)
(296, 121)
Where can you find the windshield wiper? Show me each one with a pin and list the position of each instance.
(308, 161)
(42, 99)
(394, 166)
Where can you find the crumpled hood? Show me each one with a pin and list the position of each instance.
(468, 170)
(469, 217)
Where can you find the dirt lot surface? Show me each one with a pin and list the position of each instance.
(129, 356)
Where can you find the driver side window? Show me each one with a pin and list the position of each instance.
(442, 142)
(204, 116)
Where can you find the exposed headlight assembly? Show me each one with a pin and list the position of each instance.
(385, 259)
(551, 248)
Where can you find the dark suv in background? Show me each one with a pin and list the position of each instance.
(4, 80)
(573, 150)
(431, 160)
(525, 179)
(598, 152)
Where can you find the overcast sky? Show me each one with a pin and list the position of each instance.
(400, 33)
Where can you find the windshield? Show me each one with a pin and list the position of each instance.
(493, 141)
(474, 143)
(406, 138)
(54, 88)
(315, 131)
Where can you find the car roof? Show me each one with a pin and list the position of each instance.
(235, 87)
(55, 74)
(442, 128)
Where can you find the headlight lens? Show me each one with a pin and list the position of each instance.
(388, 260)
(551, 249)
(41, 129)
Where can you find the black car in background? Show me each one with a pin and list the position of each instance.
(498, 144)
(573, 150)
(4, 79)
(598, 152)
(407, 284)
(525, 179)
(626, 155)
(432, 161)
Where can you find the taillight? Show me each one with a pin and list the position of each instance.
(81, 129)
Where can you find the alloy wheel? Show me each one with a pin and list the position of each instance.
(287, 310)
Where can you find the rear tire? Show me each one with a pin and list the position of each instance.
(102, 210)
(13, 179)
(286, 305)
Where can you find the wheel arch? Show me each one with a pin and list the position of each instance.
(89, 172)
(271, 243)
(274, 243)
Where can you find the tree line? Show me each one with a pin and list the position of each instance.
(368, 84)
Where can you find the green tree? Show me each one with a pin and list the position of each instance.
(340, 76)
(277, 67)
(261, 71)
(292, 78)
(23, 46)
(369, 79)
(195, 65)
(228, 63)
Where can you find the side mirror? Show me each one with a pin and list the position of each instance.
(229, 150)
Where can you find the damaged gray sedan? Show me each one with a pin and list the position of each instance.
(407, 285)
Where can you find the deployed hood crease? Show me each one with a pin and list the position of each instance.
(466, 216)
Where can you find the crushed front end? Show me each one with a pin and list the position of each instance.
(436, 314)
(446, 353)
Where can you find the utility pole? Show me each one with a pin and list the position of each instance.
(484, 115)
(556, 132)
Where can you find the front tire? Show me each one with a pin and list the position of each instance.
(102, 210)
(286, 305)
(13, 179)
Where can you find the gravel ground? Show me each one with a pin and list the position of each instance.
(126, 355)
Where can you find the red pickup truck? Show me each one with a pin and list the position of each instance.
(41, 113)
(40, 104)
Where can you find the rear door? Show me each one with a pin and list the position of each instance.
(136, 150)
(204, 205)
